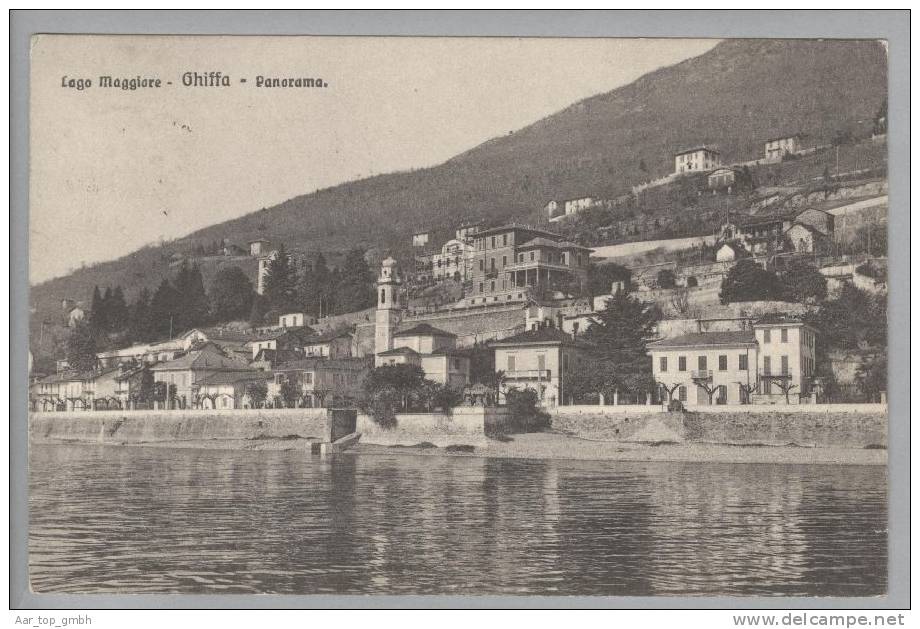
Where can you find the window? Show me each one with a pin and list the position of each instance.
(766, 336)
(722, 394)
(505, 263)
(766, 365)
(492, 286)
(723, 363)
(563, 258)
(701, 363)
(531, 256)
(510, 363)
(681, 363)
(663, 364)
(541, 362)
(682, 393)
(784, 335)
(504, 240)
(742, 362)
(482, 265)
(308, 377)
(383, 296)
(493, 242)
(480, 287)
(504, 284)
(784, 365)
(492, 264)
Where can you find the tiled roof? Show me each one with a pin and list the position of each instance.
(777, 318)
(205, 358)
(328, 336)
(744, 337)
(317, 362)
(229, 377)
(540, 335)
(302, 332)
(424, 329)
(398, 351)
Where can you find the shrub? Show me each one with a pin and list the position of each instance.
(675, 406)
(524, 415)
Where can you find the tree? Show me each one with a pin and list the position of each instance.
(257, 311)
(403, 379)
(139, 324)
(280, 282)
(257, 390)
(602, 276)
(81, 347)
(872, 377)
(669, 389)
(314, 287)
(853, 319)
(192, 299)
(680, 305)
(289, 392)
(97, 310)
(230, 295)
(747, 281)
(164, 310)
(748, 390)
(118, 314)
(803, 283)
(619, 336)
(666, 279)
(785, 386)
(355, 290)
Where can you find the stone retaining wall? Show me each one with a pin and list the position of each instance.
(847, 427)
(152, 426)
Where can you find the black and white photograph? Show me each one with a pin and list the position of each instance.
(458, 316)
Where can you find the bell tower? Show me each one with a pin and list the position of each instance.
(388, 307)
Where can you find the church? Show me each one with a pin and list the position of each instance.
(434, 350)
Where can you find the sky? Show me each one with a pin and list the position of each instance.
(112, 170)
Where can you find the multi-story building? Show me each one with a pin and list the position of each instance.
(185, 371)
(434, 350)
(320, 382)
(538, 360)
(454, 262)
(337, 344)
(420, 239)
(508, 261)
(776, 148)
(761, 365)
(697, 159)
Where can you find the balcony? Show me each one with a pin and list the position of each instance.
(701, 374)
(766, 375)
(529, 374)
(538, 264)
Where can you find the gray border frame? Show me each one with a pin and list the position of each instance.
(893, 26)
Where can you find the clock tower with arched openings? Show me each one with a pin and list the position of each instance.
(389, 308)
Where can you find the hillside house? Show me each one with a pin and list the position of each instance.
(185, 371)
(574, 206)
(432, 349)
(284, 338)
(292, 320)
(731, 251)
(722, 178)
(510, 260)
(258, 247)
(420, 239)
(334, 345)
(757, 365)
(538, 360)
(228, 389)
(776, 148)
(453, 262)
(321, 382)
(467, 230)
(697, 159)
(552, 209)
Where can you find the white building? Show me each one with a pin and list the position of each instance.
(778, 147)
(454, 262)
(573, 206)
(760, 365)
(258, 247)
(420, 239)
(700, 158)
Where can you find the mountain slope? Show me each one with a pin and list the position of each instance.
(734, 97)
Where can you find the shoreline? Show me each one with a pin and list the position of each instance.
(539, 446)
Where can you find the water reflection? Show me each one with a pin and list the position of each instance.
(154, 520)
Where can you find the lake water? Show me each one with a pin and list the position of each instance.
(145, 520)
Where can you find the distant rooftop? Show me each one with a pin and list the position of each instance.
(706, 339)
(540, 335)
(424, 329)
(701, 147)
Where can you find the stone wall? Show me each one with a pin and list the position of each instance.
(117, 427)
(463, 420)
(849, 426)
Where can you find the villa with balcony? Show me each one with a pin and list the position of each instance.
(771, 363)
(538, 360)
(511, 262)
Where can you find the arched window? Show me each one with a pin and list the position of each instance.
(383, 296)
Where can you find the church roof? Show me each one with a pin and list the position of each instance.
(424, 329)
